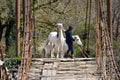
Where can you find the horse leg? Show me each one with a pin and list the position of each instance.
(61, 54)
(58, 51)
(52, 51)
(45, 53)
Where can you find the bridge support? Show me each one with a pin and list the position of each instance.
(27, 41)
(109, 18)
(18, 27)
(104, 52)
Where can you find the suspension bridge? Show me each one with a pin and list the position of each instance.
(64, 69)
(102, 67)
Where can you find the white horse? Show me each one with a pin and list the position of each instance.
(48, 47)
(56, 40)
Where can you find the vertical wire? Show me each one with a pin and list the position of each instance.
(98, 50)
(85, 31)
(89, 24)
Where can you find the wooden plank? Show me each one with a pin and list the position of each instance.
(37, 63)
(49, 73)
(66, 69)
(44, 73)
(77, 59)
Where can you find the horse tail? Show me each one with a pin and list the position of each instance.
(47, 41)
(43, 53)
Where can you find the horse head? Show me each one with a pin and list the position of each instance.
(77, 40)
(60, 26)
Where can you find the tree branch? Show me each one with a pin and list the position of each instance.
(49, 3)
(56, 11)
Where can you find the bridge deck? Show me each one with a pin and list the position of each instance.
(64, 69)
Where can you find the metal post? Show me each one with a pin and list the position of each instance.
(18, 27)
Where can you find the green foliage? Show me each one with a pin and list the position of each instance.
(80, 30)
(116, 44)
(11, 41)
(13, 63)
(7, 10)
(48, 13)
(116, 49)
(7, 19)
(11, 52)
(77, 51)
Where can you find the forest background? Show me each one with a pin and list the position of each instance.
(49, 12)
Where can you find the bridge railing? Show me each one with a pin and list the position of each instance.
(27, 42)
(4, 73)
(104, 50)
(105, 56)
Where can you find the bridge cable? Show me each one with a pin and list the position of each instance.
(111, 61)
(4, 75)
(27, 42)
(89, 24)
(86, 35)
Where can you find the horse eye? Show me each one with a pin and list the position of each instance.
(77, 39)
